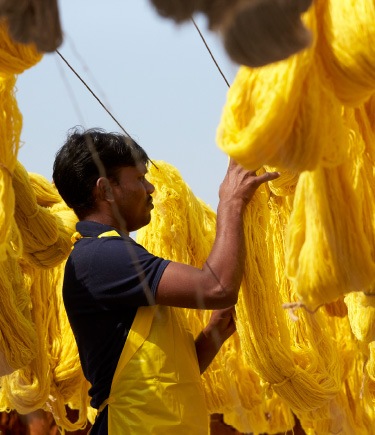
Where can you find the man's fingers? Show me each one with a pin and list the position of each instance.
(267, 176)
(226, 312)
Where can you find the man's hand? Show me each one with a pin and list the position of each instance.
(220, 327)
(241, 184)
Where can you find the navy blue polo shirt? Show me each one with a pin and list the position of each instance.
(106, 280)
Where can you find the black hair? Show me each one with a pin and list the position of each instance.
(88, 155)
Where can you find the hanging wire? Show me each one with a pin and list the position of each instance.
(92, 93)
(208, 49)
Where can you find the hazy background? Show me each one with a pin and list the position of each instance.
(156, 77)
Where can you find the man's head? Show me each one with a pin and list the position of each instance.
(91, 163)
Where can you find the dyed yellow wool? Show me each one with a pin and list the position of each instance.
(330, 242)
(347, 47)
(15, 58)
(285, 357)
(361, 314)
(348, 412)
(262, 105)
(45, 235)
(17, 344)
(54, 378)
(272, 343)
(18, 347)
(18, 338)
(369, 384)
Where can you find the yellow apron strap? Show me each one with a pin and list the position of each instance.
(77, 236)
(112, 233)
(138, 333)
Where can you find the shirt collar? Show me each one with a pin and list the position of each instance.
(93, 229)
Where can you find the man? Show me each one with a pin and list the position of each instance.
(139, 356)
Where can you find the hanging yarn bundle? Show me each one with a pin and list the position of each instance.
(261, 108)
(325, 257)
(46, 238)
(15, 58)
(10, 127)
(273, 118)
(268, 336)
(347, 47)
(26, 389)
(255, 32)
(351, 412)
(17, 334)
(285, 357)
(18, 339)
(54, 379)
(33, 22)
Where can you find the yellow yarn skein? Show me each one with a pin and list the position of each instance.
(330, 240)
(46, 238)
(27, 389)
(261, 107)
(15, 58)
(54, 379)
(347, 47)
(347, 412)
(306, 380)
(18, 339)
(10, 129)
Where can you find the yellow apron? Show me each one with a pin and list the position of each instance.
(156, 388)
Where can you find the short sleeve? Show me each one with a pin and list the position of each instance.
(121, 272)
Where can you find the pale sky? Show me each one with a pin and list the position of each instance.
(157, 78)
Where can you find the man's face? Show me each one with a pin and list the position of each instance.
(132, 196)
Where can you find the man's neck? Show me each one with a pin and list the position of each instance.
(105, 220)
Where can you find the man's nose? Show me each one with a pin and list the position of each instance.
(150, 187)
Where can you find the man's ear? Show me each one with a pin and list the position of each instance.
(104, 189)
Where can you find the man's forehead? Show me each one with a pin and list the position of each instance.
(139, 167)
(142, 167)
